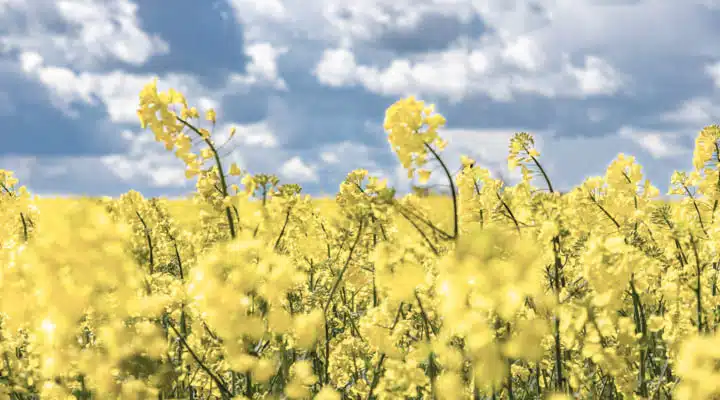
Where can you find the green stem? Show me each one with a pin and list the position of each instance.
(218, 381)
(223, 183)
(456, 226)
(558, 346)
(542, 171)
(25, 228)
(149, 242)
(330, 298)
(698, 286)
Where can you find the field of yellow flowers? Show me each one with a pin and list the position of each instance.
(253, 290)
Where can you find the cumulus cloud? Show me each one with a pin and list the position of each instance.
(254, 135)
(714, 71)
(118, 90)
(329, 157)
(459, 72)
(697, 112)
(263, 66)
(657, 144)
(336, 68)
(68, 45)
(297, 170)
(524, 52)
(551, 49)
(250, 9)
(596, 77)
(83, 33)
(147, 162)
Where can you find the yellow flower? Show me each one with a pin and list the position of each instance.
(423, 176)
(206, 154)
(450, 386)
(235, 170)
(210, 115)
(467, 161)
(655, 323)
(263, 370)
(242, 362)
(328, 393)
(307, 327)
(191, 171)
(559, 396)
(302, 377)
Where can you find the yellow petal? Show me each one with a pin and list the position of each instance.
(423, 176)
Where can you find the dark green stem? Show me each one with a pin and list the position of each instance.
(456, 226)
(223, 183)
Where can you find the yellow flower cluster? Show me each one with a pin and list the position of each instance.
(252, 291)
(404, 122)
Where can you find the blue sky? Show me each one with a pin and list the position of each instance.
(306, 83)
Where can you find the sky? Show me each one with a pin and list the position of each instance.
(307, 82)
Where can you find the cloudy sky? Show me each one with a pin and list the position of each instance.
(306, 83)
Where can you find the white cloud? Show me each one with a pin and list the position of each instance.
(98, 32)
(266, 19)
(526, 48)
(152, 169)
(329, 157)
(460, 71)
(596, 77)
(714, 71)
(118, 90)
(696, 113)
(111, 29)
(251, 9)
(30, 61)
(530, 32)
(295, 169)
(525, 53)
(258, 134)
(147, 163)
(336, 67)
(367, 20)
(446, 73)
(658, 144)
(347, 155)
(263, 66)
